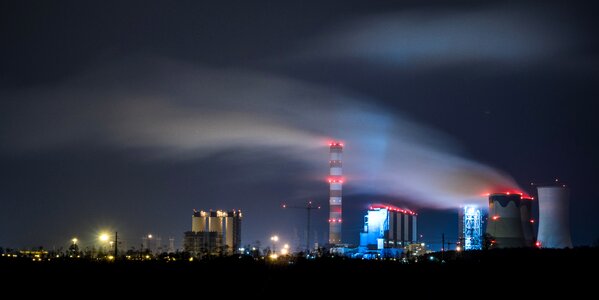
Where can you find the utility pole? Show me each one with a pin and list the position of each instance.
(116, 244)
(443, 247)
(308, 209)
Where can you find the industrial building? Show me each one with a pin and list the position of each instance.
(554, 217)
(335, 192)
(388, 227)
(510, 220)
(214, 233)
(470, 228)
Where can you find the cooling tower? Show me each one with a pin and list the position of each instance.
(554, 217)
(505, 223)
(527, 220)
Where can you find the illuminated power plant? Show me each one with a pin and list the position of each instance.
(335, 190)
(214, 232)
(388, 227)
(510, 222)
(554, 217)
(470, 228)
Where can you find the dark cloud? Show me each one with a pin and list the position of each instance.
(423, 37)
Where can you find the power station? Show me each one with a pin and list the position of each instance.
(388, 227)
(214, 232)
(335, 192)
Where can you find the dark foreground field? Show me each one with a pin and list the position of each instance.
(492, 273)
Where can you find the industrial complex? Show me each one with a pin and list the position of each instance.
(392, 231)
(213, 233)
(388, 229)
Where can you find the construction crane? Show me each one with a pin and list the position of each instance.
(309, 207)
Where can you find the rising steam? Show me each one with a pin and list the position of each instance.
(174, 111)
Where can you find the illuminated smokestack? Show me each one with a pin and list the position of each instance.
(554, 217)
(335, 186)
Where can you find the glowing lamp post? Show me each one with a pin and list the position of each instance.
(274, 239)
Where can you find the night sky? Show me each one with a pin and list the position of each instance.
(127, 115)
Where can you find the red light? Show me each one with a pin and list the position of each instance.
(495, 218)
(538, 244)
(339, 220)
(532, 220)
(508, 193)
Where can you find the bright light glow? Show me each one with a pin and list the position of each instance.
(274, 256)
(110, 257)
(472, 233)
(538, 244)
(495, 218)
(458, 248)
(150, 236)
(104, 237)
(532, 220)
(274, 238)
(284, 251)
(74, 240)
(423, 244)
(286, 246)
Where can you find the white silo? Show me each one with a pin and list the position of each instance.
(554, 217)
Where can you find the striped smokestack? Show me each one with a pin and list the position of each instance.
(336, 183)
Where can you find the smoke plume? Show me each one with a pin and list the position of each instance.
(165, 110)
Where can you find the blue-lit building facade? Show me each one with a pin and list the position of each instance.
(388, 229)
(471, 228)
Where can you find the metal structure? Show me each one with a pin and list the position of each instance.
(335, 192)
(308, 209)
(471, 224)
(554, 217)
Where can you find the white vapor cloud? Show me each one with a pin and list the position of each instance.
(175, 111)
